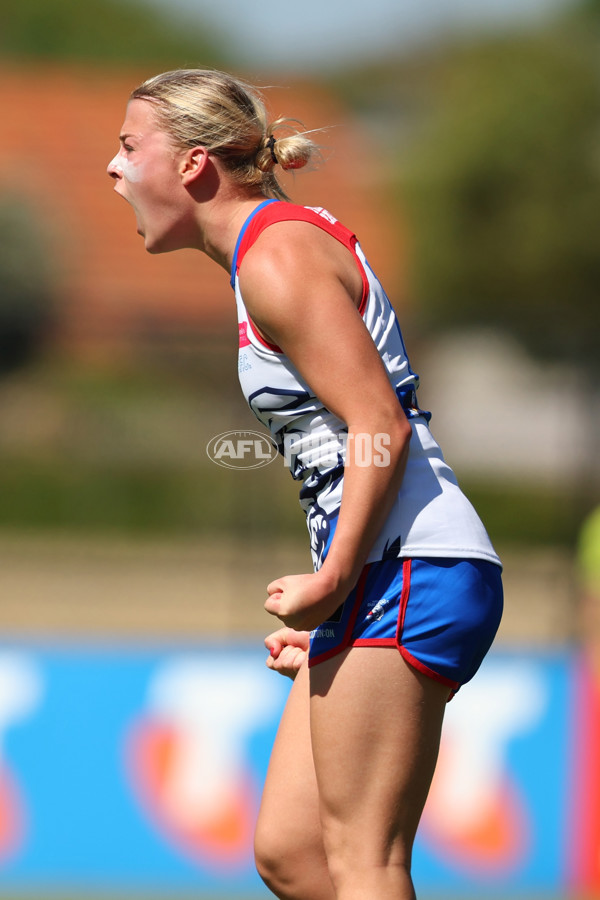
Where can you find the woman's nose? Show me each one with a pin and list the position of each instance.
(114, 169)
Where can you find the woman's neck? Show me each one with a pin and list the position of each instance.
(222, 225)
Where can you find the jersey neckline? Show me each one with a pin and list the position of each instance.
(242, 233)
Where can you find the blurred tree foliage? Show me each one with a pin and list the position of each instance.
(501, 181)
(26, 284)
(102, 30)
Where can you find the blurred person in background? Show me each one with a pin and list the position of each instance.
(406, 595)
(588, 563)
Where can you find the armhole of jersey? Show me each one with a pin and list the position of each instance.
(363, 274)
(286, 212)
(260, 338)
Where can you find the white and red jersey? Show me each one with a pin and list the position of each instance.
(431, 517)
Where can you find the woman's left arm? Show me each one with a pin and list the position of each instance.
(298, 294)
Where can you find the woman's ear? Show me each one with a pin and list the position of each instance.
(193, 164)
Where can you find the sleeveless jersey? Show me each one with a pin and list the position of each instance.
(430, 517)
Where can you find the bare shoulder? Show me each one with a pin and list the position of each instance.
(296, 257)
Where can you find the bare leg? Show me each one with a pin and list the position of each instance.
(289, 851)
(375, 725)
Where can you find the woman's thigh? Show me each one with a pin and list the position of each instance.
(375, 726)
(289, 846)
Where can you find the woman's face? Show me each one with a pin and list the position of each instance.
(146, 171)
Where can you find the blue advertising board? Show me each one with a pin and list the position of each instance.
(131, 769)
(134, 769)
(497, 813)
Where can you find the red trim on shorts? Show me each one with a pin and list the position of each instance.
(406, 570)
(374, 642)
(406, 654)
(386, 642)
(360, 590)
(425, 670)
(392, 642)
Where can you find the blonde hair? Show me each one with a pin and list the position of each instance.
(228, 117)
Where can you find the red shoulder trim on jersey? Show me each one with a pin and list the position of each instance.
(292, 212)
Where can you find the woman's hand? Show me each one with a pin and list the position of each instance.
(303, 602)
(288, 649)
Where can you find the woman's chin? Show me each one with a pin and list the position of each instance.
(152, 246)
(166, 244)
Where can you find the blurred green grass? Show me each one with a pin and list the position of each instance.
(122, 449)
(149, 499)
(145, 500)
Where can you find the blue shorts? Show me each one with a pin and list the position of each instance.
(441, 614)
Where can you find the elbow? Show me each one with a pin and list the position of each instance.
(392, 445)
(401, 432)
(408, 432)
(387, 445)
